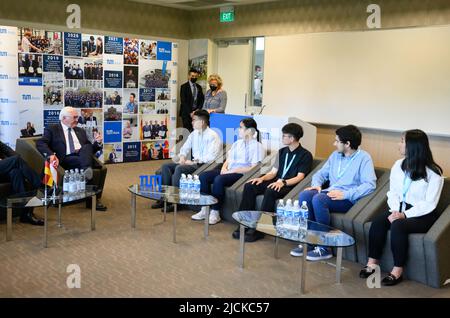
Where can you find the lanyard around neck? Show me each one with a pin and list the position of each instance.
(406, 185)
(341, 173)
(286, 166)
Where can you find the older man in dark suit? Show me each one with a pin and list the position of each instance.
(16, 171)
(68, 145)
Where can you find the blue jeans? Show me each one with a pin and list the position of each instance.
(320, 205)
(218, 182)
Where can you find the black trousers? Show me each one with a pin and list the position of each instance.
(399, 234)
(187, 122)
(16, 170)
(251, 191)
(81, 160)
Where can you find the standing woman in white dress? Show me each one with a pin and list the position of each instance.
(415, 188)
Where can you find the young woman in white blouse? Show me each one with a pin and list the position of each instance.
(415, 187)
(244, 154)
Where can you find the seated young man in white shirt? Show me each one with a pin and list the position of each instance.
(415, 188)
(206, 146)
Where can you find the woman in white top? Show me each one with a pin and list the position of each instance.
(415, 187)
(27, 47)
(244, 154)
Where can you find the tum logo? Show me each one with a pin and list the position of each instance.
(26, 97)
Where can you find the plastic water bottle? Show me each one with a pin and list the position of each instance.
(190, 186)
(288, 213)
(288, 218)
(66, 181)
(303, 224)
(72, 184)
(296, 214)
(77, 180)
(183, 186)
(82, 181)
(197, 187)
(280, 218)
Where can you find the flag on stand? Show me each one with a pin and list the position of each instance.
(50, 174)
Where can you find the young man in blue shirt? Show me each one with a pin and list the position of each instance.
(350, 174)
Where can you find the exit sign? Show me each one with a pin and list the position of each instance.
(226, 14)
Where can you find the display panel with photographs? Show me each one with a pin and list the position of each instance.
(122, 87)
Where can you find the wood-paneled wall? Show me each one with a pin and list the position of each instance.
(383, 146)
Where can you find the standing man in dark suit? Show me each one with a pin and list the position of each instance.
(68, 145)
(15, 170)
(192, 98)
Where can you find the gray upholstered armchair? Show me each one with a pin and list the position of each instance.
(26, 148)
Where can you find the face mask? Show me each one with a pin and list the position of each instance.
(241, 133)
(194, 79)
(213, 87)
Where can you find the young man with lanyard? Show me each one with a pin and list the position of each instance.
(292, 165)
(351, 176)
(205, 145)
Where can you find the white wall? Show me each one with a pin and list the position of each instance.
(385, 79)
(234, 66)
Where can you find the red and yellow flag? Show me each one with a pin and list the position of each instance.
(50, 174)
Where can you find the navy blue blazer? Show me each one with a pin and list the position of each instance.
(54, 142)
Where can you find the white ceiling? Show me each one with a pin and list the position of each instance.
(200, 4)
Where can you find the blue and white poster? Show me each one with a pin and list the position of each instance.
(51, 117)
(30, 69)
(53, 63)
(147, 95)
(113, 79)
(131, 151)
(113, 45)
(72, 44)
(164, 51)
(98, 74)
(112, 62)
(112, 131)
(9, 112)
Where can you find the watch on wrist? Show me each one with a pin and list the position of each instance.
(284, 182)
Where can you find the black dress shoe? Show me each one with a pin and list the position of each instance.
(100, 207)
(31, 219)
(253, 235)
(391, 280)
(366, 272)
(237, 233)
(158, 205)
(169, 208)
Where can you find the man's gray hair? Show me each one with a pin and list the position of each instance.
(66, 112)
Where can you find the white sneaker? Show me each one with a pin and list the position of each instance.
(200, 215)
(214, 217)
